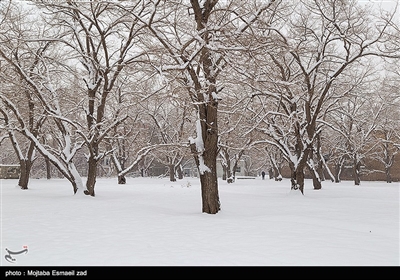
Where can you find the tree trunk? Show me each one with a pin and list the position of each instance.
(297, 177)
(209, 189)
(229, 175)
(315, 177)
(270, 173)
(208, 177)
(121, 179)
(26, 166)
(320, 170)
(356, 172)
(92, 175)
(277, 174)
(171, 168)
(297, 180)
(224, 172)
(207, 108)
(48, 168)
(338, 171)
(179, 171)
(388, 176)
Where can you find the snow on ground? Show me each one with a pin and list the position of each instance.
(155, 222)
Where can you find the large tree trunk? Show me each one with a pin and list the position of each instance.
(208, 178)
(209, 186)
(92, 175)
(206, 158)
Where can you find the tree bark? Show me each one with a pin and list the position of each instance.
(48, 168)
(26, 166)
(315, 177)
(179, 171)
(92, 175)
(338, 171)
(209, 189)
(171, 169)
(356, 172)
(388, 176)
(121, 179)
(297, 179)
(223, 172)
(277, 174)
(270, 173)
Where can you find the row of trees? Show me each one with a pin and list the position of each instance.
(281, 80)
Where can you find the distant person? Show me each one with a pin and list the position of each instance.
(263, 175)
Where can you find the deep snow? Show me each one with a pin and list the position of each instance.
(155, 222)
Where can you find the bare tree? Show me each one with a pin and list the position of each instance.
(105, 39)
(322, 42)
(172, 122)
(386, 132)
(194, 45)
(32, 63)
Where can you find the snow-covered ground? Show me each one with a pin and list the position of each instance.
(155, 222)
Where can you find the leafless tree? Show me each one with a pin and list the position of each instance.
(193, 37)
(29, 103)
(105, 39)
(320, 43)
